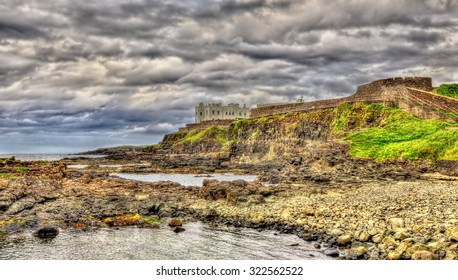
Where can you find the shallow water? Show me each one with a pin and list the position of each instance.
(183, 179)
(199, 241)
(47, 157)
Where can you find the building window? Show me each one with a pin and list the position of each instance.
(213, 112)
(226, 113)
(240, 113)
(218, 113)
(201, 113)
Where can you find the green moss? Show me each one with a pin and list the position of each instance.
(348, 117)
(153, 220)
(215, 133)
(400, 135)
(6, 175)
(21, 169)
(450, 90)
(254, 135)
(271, 154)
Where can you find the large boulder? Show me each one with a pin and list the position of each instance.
(46, 232)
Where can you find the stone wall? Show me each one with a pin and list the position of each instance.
(425, 104)
(438, 102)
(377, 87)
(381, 91)
(205, 124)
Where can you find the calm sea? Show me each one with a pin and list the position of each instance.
(47, 157)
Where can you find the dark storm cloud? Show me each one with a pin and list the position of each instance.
(19, 30)
(126, 72)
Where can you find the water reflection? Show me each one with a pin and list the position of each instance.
(183, 179)
(199, 241)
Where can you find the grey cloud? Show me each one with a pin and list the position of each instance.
(19, 31)
(126, 72)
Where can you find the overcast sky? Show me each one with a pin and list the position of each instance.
(77, 75)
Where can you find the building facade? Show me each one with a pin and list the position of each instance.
(217, 111)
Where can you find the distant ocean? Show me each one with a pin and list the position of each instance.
(47, 157)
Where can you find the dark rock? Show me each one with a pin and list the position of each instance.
(178, 229)
(331, 252)
(309, 237)
(46, 232)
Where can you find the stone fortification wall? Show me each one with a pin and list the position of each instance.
(435, 101)
(377, 87)
(425, 104)
(385, 91)
(205, 124)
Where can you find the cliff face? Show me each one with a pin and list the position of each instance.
(278, 136)
(300, 134)
(349, 139)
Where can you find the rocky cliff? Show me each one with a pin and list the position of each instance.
(347, 139)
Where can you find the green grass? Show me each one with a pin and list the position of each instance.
(401, 135)
(450, 90)
(21, 169)
(215, 132)
(6, 175)
(358, 115)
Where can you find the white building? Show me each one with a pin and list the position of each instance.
(216, 111)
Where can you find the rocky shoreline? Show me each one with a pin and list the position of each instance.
(374, 217)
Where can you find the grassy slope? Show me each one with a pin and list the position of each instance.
(450, 90)
(402, 135)
(215, 133)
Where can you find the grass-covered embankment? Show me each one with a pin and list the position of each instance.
(216, 133)
(449, 90)
(401, 135)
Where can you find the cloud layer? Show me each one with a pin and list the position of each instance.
(76, 75)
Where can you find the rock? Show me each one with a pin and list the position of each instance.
(394, 255)
(452, 233)
(359, 251)
(178, 229)
(21, 205)
(396, 223)
(451, 255)
(424, 255)
(362, 236)
(401, 234)
(309, 212)
(336, 232)
(46, 232)
(175, 223)
(309, 237)
(344, 240)
(436, 246)
(331, 252)
(377, 238)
